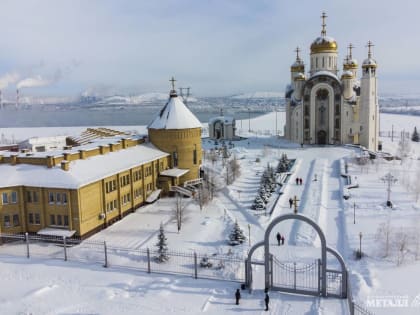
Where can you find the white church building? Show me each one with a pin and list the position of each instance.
(326, 108)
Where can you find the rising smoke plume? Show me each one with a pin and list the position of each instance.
(35, 81)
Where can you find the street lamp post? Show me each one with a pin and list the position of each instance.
(354, 213)
(389, 179)
(249, 120)
(249, 234)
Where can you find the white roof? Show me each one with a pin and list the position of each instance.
(81, 172)
(323, 39)
(175, 115)
(56, 232)
(225, 119)
(174, 172)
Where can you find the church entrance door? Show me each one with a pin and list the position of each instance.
(322, 137)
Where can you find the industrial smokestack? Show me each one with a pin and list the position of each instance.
(17, 98)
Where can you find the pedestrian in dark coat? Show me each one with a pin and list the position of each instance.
(237, 296)
(290, 202)
(278, 236)
(300, 181)
(282, 240)
(297, 180)
(266, 300)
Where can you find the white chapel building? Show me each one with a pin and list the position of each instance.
(326, 108)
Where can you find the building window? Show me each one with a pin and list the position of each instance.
(31, 218)
(59, 220)
(37, 218)
(351, 131)
(337, 123)
(51, 197)
(361, 128)
(29, 196)
(66, 220)
(64, 198)
(52, 219)
(195, 155)
(35, 196)
(6, 220)
(16, 220)
(5, 198)
(175, 158)
(14, 197)
(58, 198)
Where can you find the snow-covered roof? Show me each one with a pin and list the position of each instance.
(56, 232)
(81, 172)
(43, 140)
(369, 62)
(174, 172)
(323, 39)
(324, 72)
(175, 115)
(225, 119)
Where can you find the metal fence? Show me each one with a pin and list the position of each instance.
(197, 265)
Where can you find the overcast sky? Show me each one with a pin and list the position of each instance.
(218, 47)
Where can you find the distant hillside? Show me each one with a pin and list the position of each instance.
(259, 95)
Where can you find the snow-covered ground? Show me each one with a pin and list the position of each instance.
(92, 289)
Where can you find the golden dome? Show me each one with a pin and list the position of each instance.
(347, 75)
(350, 64)
(299, 77)
(324, 44)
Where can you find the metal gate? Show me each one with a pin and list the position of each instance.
(296, 277)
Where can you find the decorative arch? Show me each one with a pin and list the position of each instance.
(291, 216)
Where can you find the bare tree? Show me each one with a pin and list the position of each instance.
(404, 148)
(383, 236)
(401, 241)
(416, 186)
(235, 167)
(179, 212)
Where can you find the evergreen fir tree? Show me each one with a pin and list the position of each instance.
(237, 235)
(415, 135)
(162, 246)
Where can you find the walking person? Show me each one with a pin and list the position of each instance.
(297, 180)
(290, 202)
(237, 296)
(300, 181)
(282, 240)
(278, 236)
(266, 300)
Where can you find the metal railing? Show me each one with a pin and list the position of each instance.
(198, 265)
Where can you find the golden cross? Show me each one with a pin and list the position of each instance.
(173, 83)
(324, 31)
(370, 45)
(297, 50)
(350, 49)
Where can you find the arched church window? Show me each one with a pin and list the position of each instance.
(337, 109)
(306, 123)
(361, 127)
(316, 62)
(351, 131)
(329, 62)
(337, 123)
(307, 110)
(323, 63)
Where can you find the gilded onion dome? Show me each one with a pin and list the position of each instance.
(347, 75)
(298, 65)
(350, 63)
(323, 43)
(299, 77)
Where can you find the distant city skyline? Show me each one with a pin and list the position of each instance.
(217, 48)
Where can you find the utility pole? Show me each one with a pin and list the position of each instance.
(249, 234)
(354, 212)
(392, 133)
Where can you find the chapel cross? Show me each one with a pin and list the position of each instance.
(324, 31)
(370, 45)
(173, 83)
